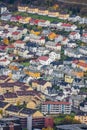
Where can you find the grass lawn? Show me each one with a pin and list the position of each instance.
(25, 64)
(36, 16)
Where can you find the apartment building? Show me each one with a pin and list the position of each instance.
(55, 107)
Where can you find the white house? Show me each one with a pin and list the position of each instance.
(4, 62)
(43, 23)
(74, 36)
(44, 60)
(54, 55)
(3, 8)
(58, 38)
(37, 39)
(16, 35)
(53, 46)
(19, 43)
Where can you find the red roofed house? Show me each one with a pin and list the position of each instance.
(84, 37)
(55, 107)
(4, 62)
(16, 35)
(19, 43)
(74, 35)
(44, 60)
(68, 27)
(80, 64)
(53, 46)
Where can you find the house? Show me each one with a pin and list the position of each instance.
(55, 107)
(32, 73)
(45, 32)
(4, 62)
(15, 18)
(10, 97)
(3, 8)
(84, 37)
(53, 24)
(3, 26)
(74, 18)
(6, 16)
(58, 38)
(34, 21)
(64, 85)
(12, 110)
(16, 35)
(22, 8)
(74, 36)
(12, 28)
(19, 44)
(68, 27)
(35, 32)
(43, 23)
(54, 55)
(71, 44)
(53, 14)
(76, 100)
(64, 41)
(37, 39)
(83, 50)
(83, 106)
(72, 53)
(63, 16)
(53, 46)
(52, 36)
(68, 79)
(22, 30)
(24, 20)
(82, 117)
(41, 85)
(42, 51)
(42, 11)
(44, 60)
(80, 64)
(32, 10)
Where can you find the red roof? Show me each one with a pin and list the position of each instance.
(20, 42)
(15, 33)
(85, 35)
(44, 58)
(58, 44)
(66, 24)
(56, 103)
(73, 33)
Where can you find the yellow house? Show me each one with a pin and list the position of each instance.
(22, 8)
(25, 20)
(53, 14)
(31, 105)
(3, 78)
(43, 12)
(32, 10)
(33, 73)
(41, 85)
(10, 97)
(35, 32)
(68, 79)
(79, 74)
(63, 16)
(81, 118)
(37, 114)
(52, 36)
(4, 89)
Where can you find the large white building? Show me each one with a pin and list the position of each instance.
(55, 107)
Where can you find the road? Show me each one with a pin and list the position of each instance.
(65, 1)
